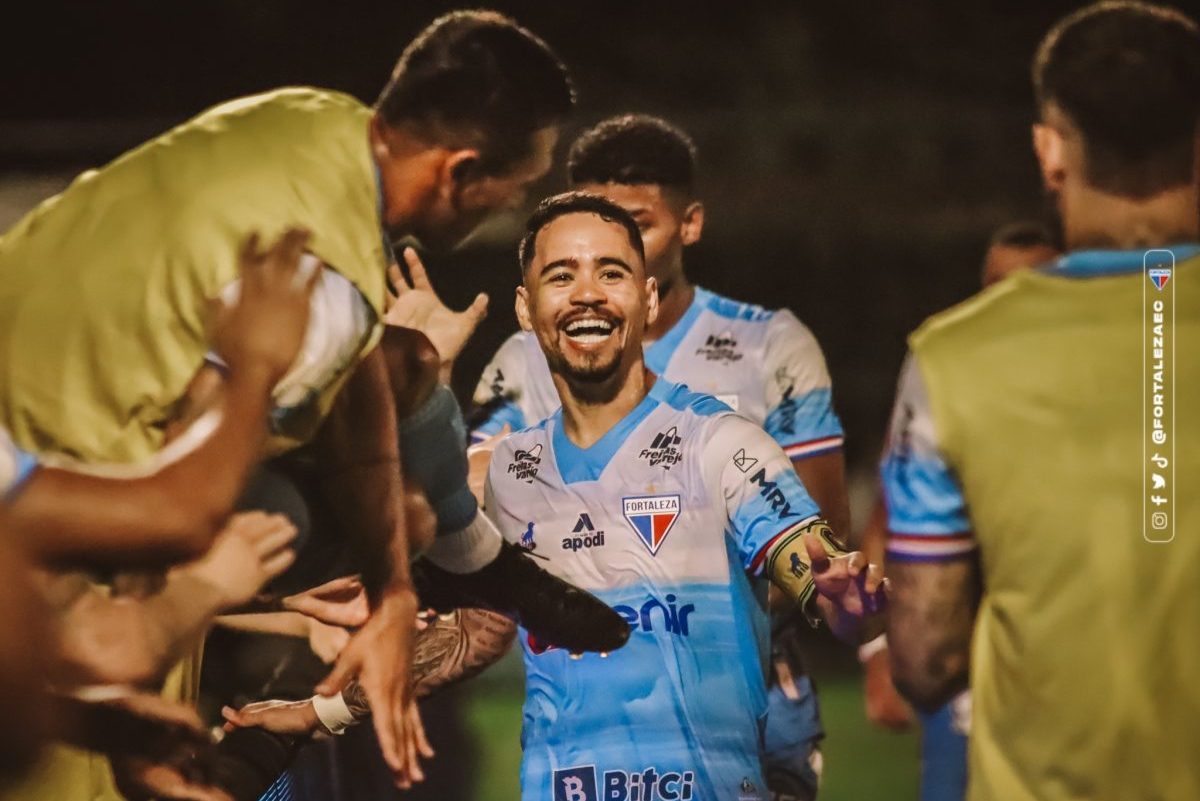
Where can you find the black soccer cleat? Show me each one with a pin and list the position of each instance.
(552, 610)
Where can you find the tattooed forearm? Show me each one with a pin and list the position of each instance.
(932, 615)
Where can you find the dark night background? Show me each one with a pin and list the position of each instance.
(855, 156)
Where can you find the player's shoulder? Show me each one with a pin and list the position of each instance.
(683, 399)
(965, 318)
(778, 323)
(295, 101)
(734, 311)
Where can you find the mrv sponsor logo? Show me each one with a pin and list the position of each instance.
(579, 784)
(654, 615)
(774, 496)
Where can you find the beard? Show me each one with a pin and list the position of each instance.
(593, 368)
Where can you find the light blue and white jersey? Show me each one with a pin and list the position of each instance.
(766, 365)
(16, 466)
(667, 518)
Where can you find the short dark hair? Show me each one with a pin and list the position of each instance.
(478, 79)
(633, 149)
(1127, 74)
(1023, 234)
(566, 203)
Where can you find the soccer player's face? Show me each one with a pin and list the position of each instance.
(586, 297)
(660, 218)
(458, 205)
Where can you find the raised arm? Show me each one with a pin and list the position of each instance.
(170, 509)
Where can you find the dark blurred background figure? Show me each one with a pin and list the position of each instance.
(857, 156)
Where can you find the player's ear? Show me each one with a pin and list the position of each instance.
(524, 318)
(459, 173)
(693, 223)
(1050, 148)
(651, 301)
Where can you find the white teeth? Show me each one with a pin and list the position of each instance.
(591, 330)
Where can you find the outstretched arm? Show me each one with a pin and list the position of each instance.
(780, 534)
(171, 509)
(134, 641)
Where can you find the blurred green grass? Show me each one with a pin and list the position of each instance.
(862, 763)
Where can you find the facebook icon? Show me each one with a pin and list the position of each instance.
(575, 784)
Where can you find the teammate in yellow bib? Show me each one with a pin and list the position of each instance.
(106, 288)
(1020, 552)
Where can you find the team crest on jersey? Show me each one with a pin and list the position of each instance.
(1159, 276)
(664, 450)
(720, 348)
(525, 463)
(652, 517)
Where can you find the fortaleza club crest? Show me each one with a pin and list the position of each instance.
(652, 517)
(524, 465)
(1159, 276)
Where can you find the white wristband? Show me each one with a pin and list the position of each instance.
(869, 649)
(333, 712)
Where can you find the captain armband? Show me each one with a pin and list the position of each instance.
(788, 565)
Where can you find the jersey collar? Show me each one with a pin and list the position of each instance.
(658, 354)
(1095, 263)
(586, 464)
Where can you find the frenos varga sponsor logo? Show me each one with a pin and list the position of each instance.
(720, 348)
(525, 464)
(664, 450)
(648, 784)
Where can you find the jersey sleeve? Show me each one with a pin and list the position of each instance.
(799, 394)
(16, 466)
(927, 513)
(763, 497)
(498, 394)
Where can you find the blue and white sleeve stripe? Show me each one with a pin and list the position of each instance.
(927, 514)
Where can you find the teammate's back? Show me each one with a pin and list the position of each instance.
(1080, 611)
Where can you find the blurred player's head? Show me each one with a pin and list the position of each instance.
(1017, 246)
(1118, 91)
(646, 166)
(584, 292)
(468, 121)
